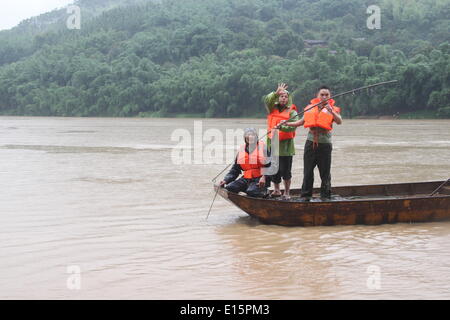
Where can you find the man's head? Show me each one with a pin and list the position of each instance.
(250, 136)
(324, 93)
(283, 98)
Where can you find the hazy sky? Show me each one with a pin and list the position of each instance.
(13, 12)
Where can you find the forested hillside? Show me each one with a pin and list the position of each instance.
(217, 58)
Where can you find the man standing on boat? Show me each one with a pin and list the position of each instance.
(318, 146)
(251, 160)
(280, 108)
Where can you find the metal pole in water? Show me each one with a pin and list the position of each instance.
(218, 187)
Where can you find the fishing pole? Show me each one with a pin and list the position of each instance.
(312, 107)
(332, 97)
(212, 203)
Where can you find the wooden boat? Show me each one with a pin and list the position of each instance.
(351, 205)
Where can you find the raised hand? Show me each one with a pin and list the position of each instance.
(282, 87)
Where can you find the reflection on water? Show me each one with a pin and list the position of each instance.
(333, 262)
(103, 195)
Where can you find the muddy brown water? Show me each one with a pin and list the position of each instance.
(103, 196)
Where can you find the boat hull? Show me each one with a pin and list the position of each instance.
(412, 206)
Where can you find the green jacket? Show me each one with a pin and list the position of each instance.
(287, 147)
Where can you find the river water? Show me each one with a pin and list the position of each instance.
(99, 209)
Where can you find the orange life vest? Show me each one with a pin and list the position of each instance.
(252, 164)
(275, 117)
(323, 118)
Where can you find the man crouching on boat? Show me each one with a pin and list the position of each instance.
(251, 160)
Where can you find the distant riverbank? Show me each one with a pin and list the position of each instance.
(423, 114)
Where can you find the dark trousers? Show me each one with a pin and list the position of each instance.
(319, 156)
(249, 186)
(284, 169)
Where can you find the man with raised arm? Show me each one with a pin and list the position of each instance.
(280, 108)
